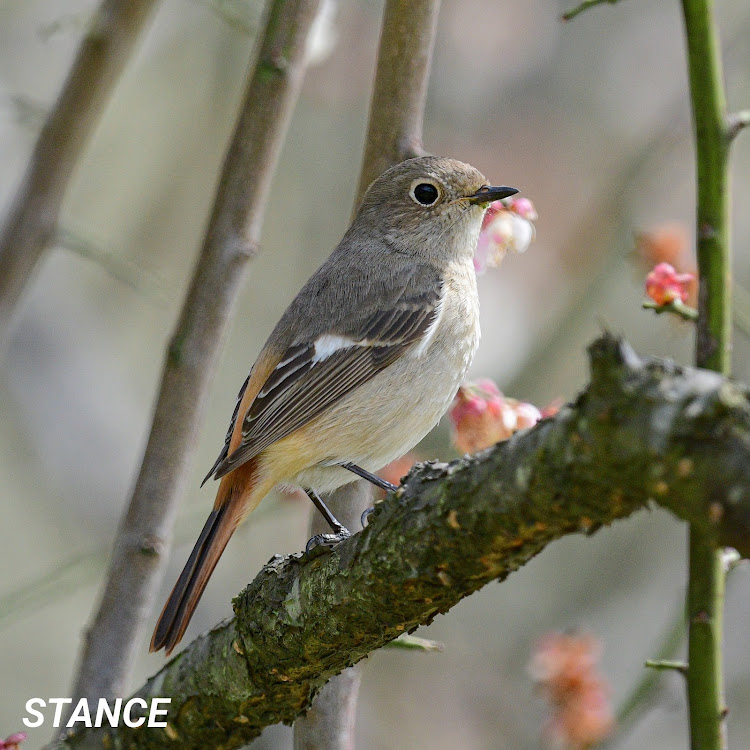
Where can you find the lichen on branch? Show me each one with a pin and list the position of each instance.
(641, 431)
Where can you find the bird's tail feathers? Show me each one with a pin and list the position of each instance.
(186, 593)
(233, 502)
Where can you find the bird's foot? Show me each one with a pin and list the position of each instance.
(366, 513)
(321, 543)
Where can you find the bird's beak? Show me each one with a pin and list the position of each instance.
(488, 194)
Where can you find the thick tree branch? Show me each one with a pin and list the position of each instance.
(32, 219)
(642, 431)
(231, 240)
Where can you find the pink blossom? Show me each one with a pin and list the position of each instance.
(527, 415)
(11, 742)
(396, 470)
(564, 667)
(664, 285)
(553, 407)
(482, 416)
(507, 225)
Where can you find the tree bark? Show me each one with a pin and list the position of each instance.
(144, 537)
(642, 431)
(32, 219)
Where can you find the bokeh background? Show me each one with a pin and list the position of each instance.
(590, 119)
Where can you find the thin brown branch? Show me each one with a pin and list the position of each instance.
(231, 240)
(641, 432)
(394, 133)
(583, 7)
(398, 98)
(32, 220)
(330, 722)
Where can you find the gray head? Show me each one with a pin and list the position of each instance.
(428, 206)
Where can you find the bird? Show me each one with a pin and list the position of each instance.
(362, 364)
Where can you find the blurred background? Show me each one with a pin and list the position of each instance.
(590, 119)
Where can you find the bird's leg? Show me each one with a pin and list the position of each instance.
(340, 532)
(373, 478)
(376, 480)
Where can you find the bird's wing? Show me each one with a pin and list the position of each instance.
(310, 376)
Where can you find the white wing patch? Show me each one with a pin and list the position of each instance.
(329, 344)
(430, 332)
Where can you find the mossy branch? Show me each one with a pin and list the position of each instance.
(642, 431)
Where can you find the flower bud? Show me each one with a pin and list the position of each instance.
(12, 741)
(482, 416)
(664, 285)
(506, 226)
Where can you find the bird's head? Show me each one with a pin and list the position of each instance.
(429, 206)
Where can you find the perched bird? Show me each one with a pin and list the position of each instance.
(363, 363)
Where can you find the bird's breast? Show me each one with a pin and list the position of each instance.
(386, 417)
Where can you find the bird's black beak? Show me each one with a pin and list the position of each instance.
(488, 194)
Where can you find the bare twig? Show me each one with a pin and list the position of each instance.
(451, 529)
(676, 307)
(665, 665)
(126, 272)
(31, 223)
(584, 6)
(231, 240)
(394, 133)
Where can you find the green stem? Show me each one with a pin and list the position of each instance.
(713, 351)
(705, 614)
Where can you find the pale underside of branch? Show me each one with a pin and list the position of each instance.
(642, 431)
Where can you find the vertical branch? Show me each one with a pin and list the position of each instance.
(713, 351)
(714, 333)
(32, 219)
(394, 133)
(329, 724)
(231, 240)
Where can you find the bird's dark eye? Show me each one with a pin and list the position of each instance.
(425, 193)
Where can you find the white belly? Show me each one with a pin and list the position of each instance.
(387, 416)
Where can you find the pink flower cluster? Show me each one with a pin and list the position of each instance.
(664, 285)
(564, 667)
(12, 741)
(507, 226)
(481, 416)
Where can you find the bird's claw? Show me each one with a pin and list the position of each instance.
(321, 543)
(366, 513)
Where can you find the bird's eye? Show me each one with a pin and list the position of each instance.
(424, 193)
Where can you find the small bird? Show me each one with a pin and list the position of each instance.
(361, 366)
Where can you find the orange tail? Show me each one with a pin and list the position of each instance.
(223, 520)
